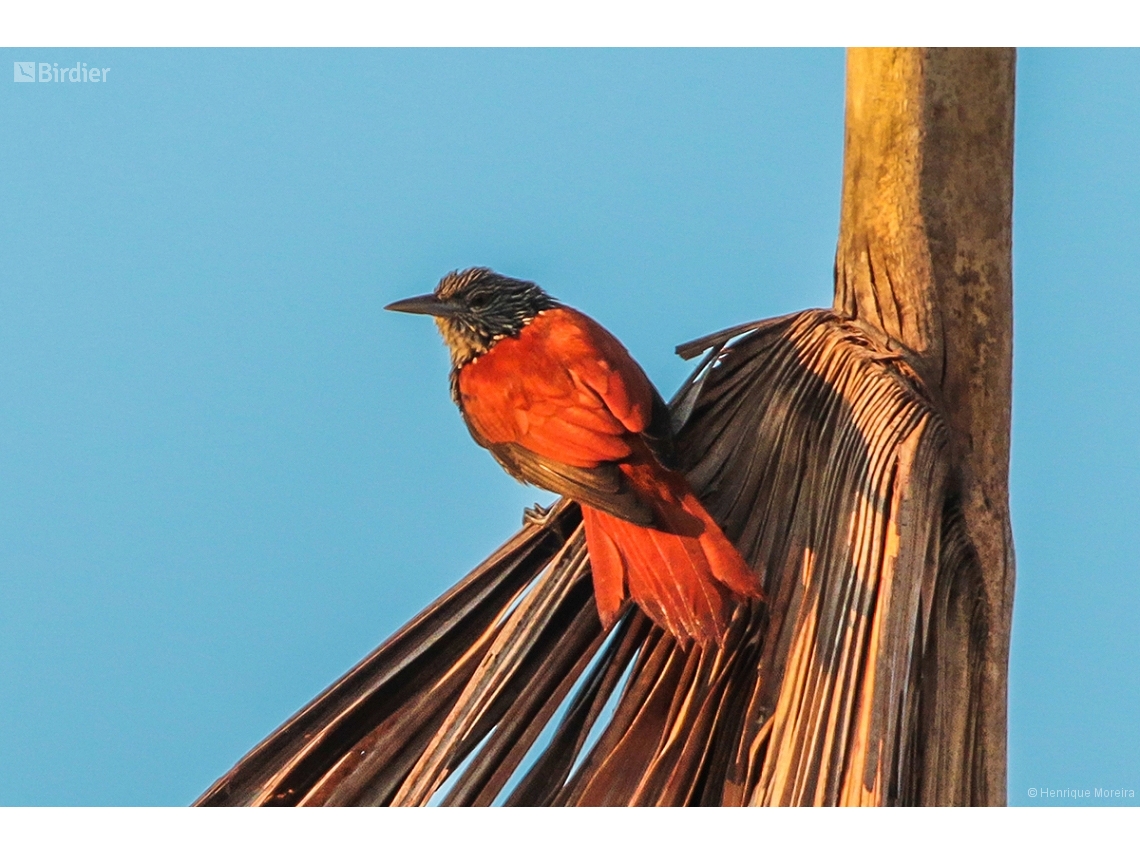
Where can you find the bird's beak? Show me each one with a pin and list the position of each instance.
(426, 304)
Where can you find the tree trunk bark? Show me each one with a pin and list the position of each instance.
(924, 264)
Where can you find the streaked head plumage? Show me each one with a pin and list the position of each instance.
(476, 307)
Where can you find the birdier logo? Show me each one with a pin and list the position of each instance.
(52, 72)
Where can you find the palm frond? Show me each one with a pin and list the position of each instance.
(824, 460)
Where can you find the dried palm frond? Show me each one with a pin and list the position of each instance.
(824, 460)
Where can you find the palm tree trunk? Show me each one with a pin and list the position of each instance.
(924, 262)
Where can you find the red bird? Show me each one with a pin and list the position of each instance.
(560, 404)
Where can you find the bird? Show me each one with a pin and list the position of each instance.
(560, 404)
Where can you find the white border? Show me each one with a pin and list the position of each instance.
(562, 23)
(554, 831)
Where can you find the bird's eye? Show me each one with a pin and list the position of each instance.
(478, 301)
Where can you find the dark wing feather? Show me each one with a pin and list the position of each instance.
(603, 487)
(659, 434)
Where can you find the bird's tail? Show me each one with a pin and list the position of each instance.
(684, 574)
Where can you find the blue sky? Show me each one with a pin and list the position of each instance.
(226, 474)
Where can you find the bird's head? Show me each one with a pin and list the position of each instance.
(474, 308)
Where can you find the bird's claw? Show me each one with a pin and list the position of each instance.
(537, 515)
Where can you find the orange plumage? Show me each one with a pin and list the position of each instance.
(560, 403)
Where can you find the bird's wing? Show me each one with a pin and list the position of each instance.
(603, 486)
(561, 405)
(547, 390)
(658, 435)
(565, 388)
(604, 366)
